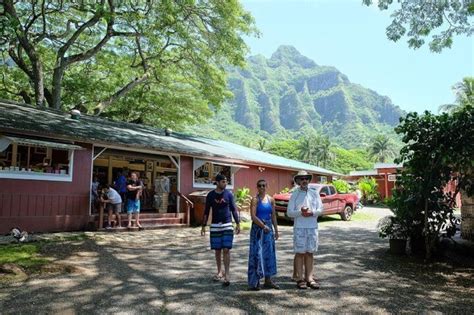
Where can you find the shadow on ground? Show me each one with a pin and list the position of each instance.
(171, 270)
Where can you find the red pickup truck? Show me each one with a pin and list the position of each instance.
(333, 202)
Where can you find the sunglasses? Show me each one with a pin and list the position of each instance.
(262, 185)
(304, 178)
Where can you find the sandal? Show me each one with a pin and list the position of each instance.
(226, 283)
(313, 284)
(217, 277)
(301, 284)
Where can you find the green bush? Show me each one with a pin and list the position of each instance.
(285, 190)
(243, 198)
(368, 187)
(341, 186)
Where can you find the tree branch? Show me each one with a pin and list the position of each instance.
(121, 92)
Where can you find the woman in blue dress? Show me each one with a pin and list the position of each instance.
(264, 232)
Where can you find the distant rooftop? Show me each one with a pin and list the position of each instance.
(15, 117)
(363, 173)
(387, 165)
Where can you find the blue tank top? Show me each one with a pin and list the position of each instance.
(264, 210)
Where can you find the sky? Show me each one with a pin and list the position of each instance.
(351, 37)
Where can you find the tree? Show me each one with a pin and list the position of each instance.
(348, 160)
(323, 152)
(417, 19)
(307, 149)
(438, 149)
(381, 148)
(464, 92)
(261, 144)
(287, 148)
(157, 62)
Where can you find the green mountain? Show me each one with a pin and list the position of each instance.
(290, 95)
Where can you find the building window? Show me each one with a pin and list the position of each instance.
(36, 159)
(205, 173)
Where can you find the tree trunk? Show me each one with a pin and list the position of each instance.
(427, 233)
(38, 81)
(467, 217)
(57, 81)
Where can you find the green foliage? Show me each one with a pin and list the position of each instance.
(25, 255)
(286, 148)
(368, 187)
(345, 161)
(130, 61)
(390, 227)
(341, 186)
(243, 198)
(285, 190)
(289, 96)
(464, 92)
(438, 149)
(381, 149)
(419, 19)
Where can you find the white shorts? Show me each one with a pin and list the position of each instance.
(305, 240)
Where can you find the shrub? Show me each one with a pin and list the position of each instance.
(390, 227)
(243, 198)
(368, 187)
(341, 186)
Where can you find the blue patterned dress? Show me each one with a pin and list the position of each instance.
(262, 254)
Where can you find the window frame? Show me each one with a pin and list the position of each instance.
(41, 176)
(204, 185)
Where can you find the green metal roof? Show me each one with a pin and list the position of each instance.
(16, 117)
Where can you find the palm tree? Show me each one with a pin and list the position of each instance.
(464, 92)
(381, 148)
(306, 149)
(323, 152)
(261, 144)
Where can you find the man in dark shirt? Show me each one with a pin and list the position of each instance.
(134, 190)
(223, 207)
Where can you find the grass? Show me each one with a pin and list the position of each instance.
(357, 216)
(69, 238)
(24, 255)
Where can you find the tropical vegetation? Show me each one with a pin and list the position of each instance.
(102, 56)
(438, 151)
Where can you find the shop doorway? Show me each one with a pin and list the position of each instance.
(158, 173)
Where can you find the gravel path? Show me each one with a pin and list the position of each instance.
(170, 271)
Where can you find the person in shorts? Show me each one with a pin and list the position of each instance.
(305, 206)
(222, 203)
(134, 190)
(113, 205)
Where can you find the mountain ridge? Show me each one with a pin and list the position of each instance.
(288, 95)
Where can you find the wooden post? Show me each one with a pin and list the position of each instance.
(386, 184)
(110, 175)
(28, 158)
(101, 215)
(14, 153)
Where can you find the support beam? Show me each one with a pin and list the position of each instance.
(98, 154)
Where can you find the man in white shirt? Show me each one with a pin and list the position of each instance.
(114, 204)
(305, 206)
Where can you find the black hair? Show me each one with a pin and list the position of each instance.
(261, 180)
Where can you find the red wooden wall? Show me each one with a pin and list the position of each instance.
(277, 179)
(40, 206)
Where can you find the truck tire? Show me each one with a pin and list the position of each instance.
(346, 215)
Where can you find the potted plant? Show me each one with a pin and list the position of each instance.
(392, 228)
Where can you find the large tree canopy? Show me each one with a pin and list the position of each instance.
(158, 62)
(417, 19)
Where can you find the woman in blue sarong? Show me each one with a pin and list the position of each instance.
(264, 232)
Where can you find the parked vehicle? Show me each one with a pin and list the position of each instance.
(333, 202)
